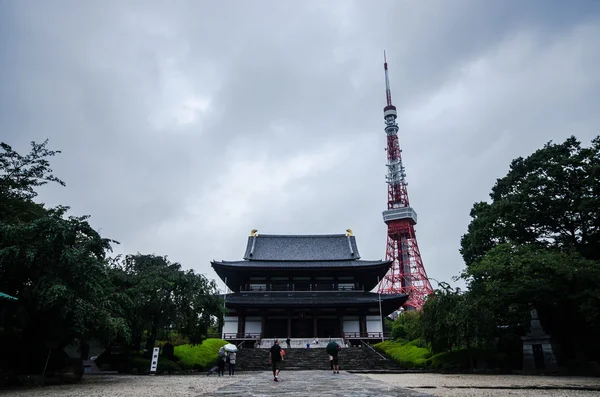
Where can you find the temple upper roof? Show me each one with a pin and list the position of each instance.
(325, 247)
(285, 256)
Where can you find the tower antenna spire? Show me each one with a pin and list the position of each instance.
(407, 274)
(388, 92)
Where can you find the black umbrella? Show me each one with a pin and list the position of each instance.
(332, 348)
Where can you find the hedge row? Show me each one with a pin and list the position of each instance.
(199, 357)
(407, 354)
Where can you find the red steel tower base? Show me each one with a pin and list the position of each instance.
(407, 274)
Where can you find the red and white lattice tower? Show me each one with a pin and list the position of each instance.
(407, 274)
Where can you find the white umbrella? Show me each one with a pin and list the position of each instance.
(230, 348)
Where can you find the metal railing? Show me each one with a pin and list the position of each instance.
(312, 288)
(371, 347)
(366, 335)
(247, 336)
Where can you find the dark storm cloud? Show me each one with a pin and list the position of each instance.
(184, 125)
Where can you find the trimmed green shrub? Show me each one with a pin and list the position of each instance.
(201, 356)
(407, 354)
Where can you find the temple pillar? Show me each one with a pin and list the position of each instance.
(289, 325)
(315, 324)
(362, 322)
(241, 325)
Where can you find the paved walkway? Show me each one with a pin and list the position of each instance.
(312, 383)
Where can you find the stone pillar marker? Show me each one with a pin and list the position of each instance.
(538, 353)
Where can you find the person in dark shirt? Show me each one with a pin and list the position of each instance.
(288, 341)
(275, 359)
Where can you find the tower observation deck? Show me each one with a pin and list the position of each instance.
(407, 274)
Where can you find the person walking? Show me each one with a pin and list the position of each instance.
(232, 358)
(275, 359)
(288, 342)
(221, 357)
(333, 350)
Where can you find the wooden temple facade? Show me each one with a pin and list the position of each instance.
(304, 286)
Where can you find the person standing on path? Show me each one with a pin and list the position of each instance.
(221, 357)
(275, 359)
(232, 358)
(288, 341)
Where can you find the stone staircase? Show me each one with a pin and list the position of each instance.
(351, 358)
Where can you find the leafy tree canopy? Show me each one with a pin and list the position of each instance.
(55, 265)
(549, 199)
(563, 286)
(452, 319)
(166, 298)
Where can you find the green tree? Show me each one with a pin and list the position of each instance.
(407, 326)
(563, 286)
(549, 199)
(165, 298)
(452, 319)
(54, 264)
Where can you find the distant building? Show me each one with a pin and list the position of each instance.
(304, 286)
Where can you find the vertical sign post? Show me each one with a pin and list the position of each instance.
(380, 311)
(154, 362)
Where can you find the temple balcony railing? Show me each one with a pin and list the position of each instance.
(242, 335)
(315, 288)
(367, 335)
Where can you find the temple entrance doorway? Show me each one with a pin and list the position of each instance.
(302, 327)
(328, 327)
(276, 327)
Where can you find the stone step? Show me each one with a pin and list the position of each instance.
(354, 358)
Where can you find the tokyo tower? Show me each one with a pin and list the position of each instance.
(407, 274)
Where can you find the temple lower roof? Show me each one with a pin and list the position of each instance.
(254, 264)
(311, 299)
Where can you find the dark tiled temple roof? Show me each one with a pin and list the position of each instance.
(389, 302)
(326, 247)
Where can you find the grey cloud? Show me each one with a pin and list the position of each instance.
(288, 85)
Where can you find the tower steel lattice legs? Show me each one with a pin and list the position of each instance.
(407, 274)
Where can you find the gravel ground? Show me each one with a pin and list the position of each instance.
(314, 383)
(131, 386)
(466, 385)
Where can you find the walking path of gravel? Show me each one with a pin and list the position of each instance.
(493, 385)
(319, 383)
(255, 384)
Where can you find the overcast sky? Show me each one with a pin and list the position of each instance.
(185, 124)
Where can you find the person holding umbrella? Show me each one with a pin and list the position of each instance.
(333, 349)
(231, 357)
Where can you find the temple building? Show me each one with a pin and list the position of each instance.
(302, 286)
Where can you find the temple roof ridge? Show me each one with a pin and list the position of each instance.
(294, 247)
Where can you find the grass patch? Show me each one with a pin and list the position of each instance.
(407, 354)
(201, 356)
